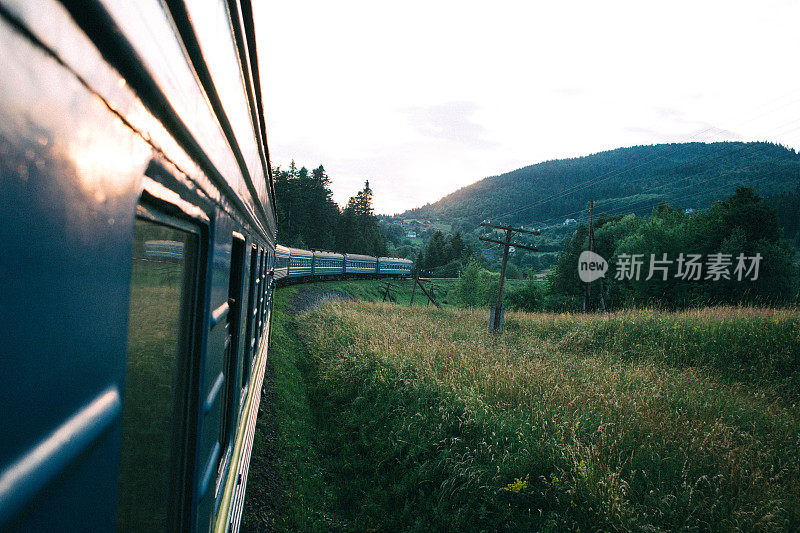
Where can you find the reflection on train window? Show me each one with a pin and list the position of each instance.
(227, 412)
(251, 309)
(154, 416)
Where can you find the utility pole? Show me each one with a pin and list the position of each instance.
(496, 313)
(431, 298)
(387, 293)
(588, 292)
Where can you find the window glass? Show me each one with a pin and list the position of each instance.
(252, 294)
(154, 412)
(227, 411)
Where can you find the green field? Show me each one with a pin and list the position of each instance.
(390, 417)
(444, 290)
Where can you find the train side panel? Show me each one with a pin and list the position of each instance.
(131, 206)
(360, 264)
(327, 263)
(393, 266)
(282, 256)
(299, 263)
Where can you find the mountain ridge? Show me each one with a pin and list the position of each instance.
(629, 179)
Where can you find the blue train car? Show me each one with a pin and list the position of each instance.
(327, 264)
(293, 265)
(360, 264)
(282, 255)
(299, 263)
(137, 235)
(393, 266)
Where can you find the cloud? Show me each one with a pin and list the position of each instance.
(675, 125)
(451, 121)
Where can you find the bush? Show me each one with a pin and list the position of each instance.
(477, 287)
(527, 298)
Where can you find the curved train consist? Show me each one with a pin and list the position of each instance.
(294, 263)
(137, 226)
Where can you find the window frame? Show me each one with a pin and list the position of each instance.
(229, 410)
(159, 210)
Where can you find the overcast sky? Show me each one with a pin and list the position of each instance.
(424, 97)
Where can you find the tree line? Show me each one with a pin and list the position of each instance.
(443, 256)
(724, 239)
(309, 218)
(734, 252)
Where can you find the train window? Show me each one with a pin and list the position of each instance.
(251, 309)
(156, 406)
(260, 296)
(227, 413)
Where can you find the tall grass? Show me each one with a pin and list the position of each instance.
(286, 488)
(640, 421)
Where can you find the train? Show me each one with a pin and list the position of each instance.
(294, 264)
(139, 256)
(298, 265)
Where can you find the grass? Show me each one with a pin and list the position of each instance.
(445, 290)
(286, 489)
(420, 420)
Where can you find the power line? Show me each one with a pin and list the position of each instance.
(614, 173)
(634, 205)
(700, 182)
(753, 147)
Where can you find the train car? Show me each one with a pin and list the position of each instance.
(327, 264)
(393, 266)
(299, 263)
(360, 264)
(282, 256)
(137, 226)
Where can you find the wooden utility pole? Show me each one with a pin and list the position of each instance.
(387, 293)
(587, 290)
(429, 295)
(496, 317)
(587, 304)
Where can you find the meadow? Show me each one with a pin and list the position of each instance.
(419, 419)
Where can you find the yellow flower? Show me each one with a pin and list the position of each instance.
(518, 485)
(582, 469)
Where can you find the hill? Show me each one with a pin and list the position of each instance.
(623, 180)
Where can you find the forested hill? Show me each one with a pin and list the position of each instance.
(624, 180)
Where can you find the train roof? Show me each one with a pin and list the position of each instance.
(322, 253)
(202, 84)
(396, 259)
(297, 252)
(359, 256)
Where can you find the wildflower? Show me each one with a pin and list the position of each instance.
(582, 469)
(518, 485)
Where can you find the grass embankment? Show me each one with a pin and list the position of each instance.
(286, 490)
(445, 291)
(418, 419)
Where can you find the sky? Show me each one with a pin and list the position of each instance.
(424, 97)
